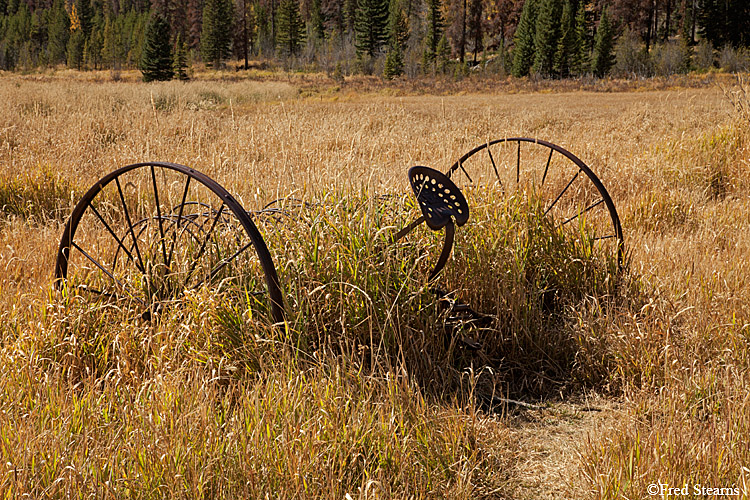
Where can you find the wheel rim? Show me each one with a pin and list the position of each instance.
(147, 232)
(570, 191)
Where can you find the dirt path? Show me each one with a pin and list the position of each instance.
(553, 439)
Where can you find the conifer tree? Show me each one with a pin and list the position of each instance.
(434, 33)
(317, 27)
(109, 48)
(398, 34)
(580, 57)
(38, 36)
(370, 26)
(179, 63)
(566, 46)
(85, 16)
(156, 56)
(686, 48)
(92, 51)
(77, 40)
(443, 54)
(394, 61)
(216, 37)
(350, 15)
(398, 26)
(523, 53)
(58, 32)
(725, 22)
(140, 22)
(111, 45)
(546, 37)
(291, 30)
(603, 46)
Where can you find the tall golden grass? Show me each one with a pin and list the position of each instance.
(366, 394)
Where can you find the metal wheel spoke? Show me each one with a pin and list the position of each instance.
(117, 239)
(130, 225)
(562, 193)
(203, 246)
(158, 213)
(179, 218)
(494, 166)
(221, 265)
(546, 167)
(593, 205)
(111, 276)
(518, 163)
(464, 171)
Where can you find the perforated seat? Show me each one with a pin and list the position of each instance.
(439, 198)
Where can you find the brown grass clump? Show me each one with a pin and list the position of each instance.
(366, 393)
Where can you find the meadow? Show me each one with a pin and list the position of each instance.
(637, 379)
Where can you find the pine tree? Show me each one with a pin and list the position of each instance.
(443, 54)
(603, 45)
(156, 56)
(686, 48)
(216, 37)
(370, 26)
(580, 57)
(263, 23)
(350, 15)
(394, 61)
(317, 27)
(566, 46)
(111, 45)
(179, 63)
(398, 35)
(77, 40)
(58, 32)
(546, 36)
(434, 33)
(38, 36)
(92, 51)
(523, 53)
(291, 30)
(398, 26)
(137, 33)
(85, 16)
(725, 22)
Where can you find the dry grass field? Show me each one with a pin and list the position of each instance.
(641, 378)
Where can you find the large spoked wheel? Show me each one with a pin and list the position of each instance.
(146, 233)
(567, 189)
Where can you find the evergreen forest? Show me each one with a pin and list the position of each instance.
(543, 38)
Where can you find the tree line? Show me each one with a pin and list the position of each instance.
(548, 38)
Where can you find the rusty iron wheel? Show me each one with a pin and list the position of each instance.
(148, 232)
(569, 191)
